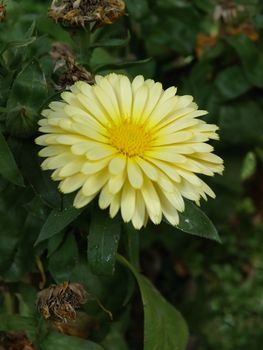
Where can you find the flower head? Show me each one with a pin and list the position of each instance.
(79, 12)
(138, 146)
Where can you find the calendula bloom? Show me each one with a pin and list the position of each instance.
(137, 146)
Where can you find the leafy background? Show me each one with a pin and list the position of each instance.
(218, 288)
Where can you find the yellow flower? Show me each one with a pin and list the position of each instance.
(136, 145)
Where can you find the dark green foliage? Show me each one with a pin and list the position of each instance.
(44, 240)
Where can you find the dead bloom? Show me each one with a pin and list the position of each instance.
(79, 12)
(58, 302)
(2, 11)
(71, 71)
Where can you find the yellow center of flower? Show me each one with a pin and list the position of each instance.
(130, 139)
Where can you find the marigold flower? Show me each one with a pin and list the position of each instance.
(136, 145)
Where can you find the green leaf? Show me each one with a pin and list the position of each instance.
(250, 56)
(18, 323)
(24, 255)
(13, 217)
(205, 5)
(103, 240)
(120, 65)
(249, 166)
(28, 92)
(137, 9)
(241, 122)
(63, 261)
(60, 341)
(194, 221)
(115, 339)
(40, 180)
(8, 167)
(18, 43)
(112, 42)
(57, 221)
(164, 326)
(132, 244)
(232, 82)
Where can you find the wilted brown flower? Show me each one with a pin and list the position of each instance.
(204, 41)
(58, 302)
(73, 72)
(227, 10)
(79, 12)
(245, 29)
(2, 11)
(15, 341)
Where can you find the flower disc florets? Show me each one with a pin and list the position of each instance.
(137, 146)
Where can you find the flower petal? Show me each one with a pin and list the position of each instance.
(134, 174)
(152, 201)
(127, 202)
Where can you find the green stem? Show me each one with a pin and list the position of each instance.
(132, 245)
(9, 303)
(81, 37)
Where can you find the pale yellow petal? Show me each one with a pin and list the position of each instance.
(149, 169)
(115, 205)
(72, 183)
(161, 111)
(189, 176)
(71, 168)
(109, 90)
(110, 108)
(57, 106)
(68, 139)
(105, 197)
(139, 102)
(176, 200)
(184, 101)
(53, 151)
(94, 183)
(100, 151)
(167, 168)
(152, 201)
(168, 209)
(116, 182)
(127, 202)
(81, 200)
(117, 165)
(93, 107)
(139, 212)
(57, 161)
(125, 97)
(172, 139)
(154, 94)
(137, 82)
(135, 175)
(166, 154)
(208, 157)
(91, 167)
(89, 133)
(188, 190)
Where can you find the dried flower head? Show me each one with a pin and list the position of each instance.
(245, 28)
(138, 146)
(2, 11)
(79, 12)
(203, 42)
(15, 341)
(227, 10)
(58, 302)
(72, 71)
